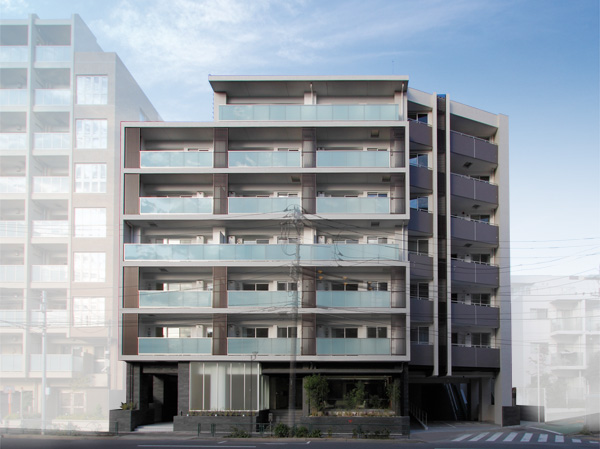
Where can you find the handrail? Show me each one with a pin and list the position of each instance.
(473, 137)
(473, 219)
(472, 261)
(417, 121)
(419, 414)
(474, 179)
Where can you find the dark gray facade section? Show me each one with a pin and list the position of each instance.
(475, 273)
(421, 354)
(473, 147)
(474, 231)
(470, 357)
(473, 315)
(421, 266)
(421, 222)
(473, 189)
(421, 310)
(421, 178)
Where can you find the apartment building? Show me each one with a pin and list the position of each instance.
(556, 360)
(62, 99)
(345, 226)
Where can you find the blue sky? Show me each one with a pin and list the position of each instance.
(533, 60)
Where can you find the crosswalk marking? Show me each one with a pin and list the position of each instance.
(543, 438)
(479, 437)
(559, 439)
(526, 437)
(511, 436)
(494, 437)
(576, 440)
(463, 437)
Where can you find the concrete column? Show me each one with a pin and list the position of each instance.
(183, 387)
(398, 148)
(309, 193)
(220, 147)
(220, 287)
(398, 194)
(309, 147)
(309, 334)
(132, 147)
(131, 198)
(131, 287)
(220, 193)
(308, 288)
(219, 340)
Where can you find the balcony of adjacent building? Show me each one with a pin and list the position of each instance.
(12, 268)
(48, 263)
(51, 132)
(473, 229)
(313, 113)
(474, 310)
(421, 132)
(421, 175)
(474, 349)
(12, 176)
(567, 360)
(14, 139)
(567, 326)
(474, 269)
(12, 313)
(421, 261)
(52, 89)
(53, 44)
(473, 194)
(480, 154)
(57, 315)
(14, 94)
(14, 40)
(421, 343)
(421, 302)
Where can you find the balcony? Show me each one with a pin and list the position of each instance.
(566, 360)
(421, 354)
(13, 141)
(473, 147)
(475, 273)
(12, 273)
(421, 222)
(51, 184)
(566, 325)
(263, 346)
(14, 53)
(363, 205)
(154, 205)
(421, 310)
(52, 141)
(369, 299)
(186, 159)
(49, 273)
(473, 189)
(12, 318)
(475, 357)
(421, 178)
(353, 346)
(592, 324)
(421, 266)
(264, 159)
(472, 315)
(13, 228)
(52, 97)
(264, 253)
(420, 134)
(353, 159)
(53, 53)
(253, 205)
(323, 112)
(160, 299)
(51, 228)
(11, 362)
(12, 184)
(54, 318)
(474, 231)
(65, 363)
(260, 298)
(13, 97)
(154, 345)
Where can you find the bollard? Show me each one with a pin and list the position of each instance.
(212, 429)
(199, 430)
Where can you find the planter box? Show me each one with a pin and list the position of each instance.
(128, 420)
(353, 425)
(222, 424)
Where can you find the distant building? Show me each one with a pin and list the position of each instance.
(556, 349)
(62, 99)
(346, 226)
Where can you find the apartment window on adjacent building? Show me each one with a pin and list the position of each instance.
(481, 299)
(420, 290)
(481, 258)
(344, 332)
(256, 332)
(377, 286)
(287, 332)
(418, 116)
(287, 286)
(419, 335)
(482, 218)
(374, 240)
(539, 314)
(255, 287)
(458, 339)
(88, 311)
(71, 403)
(377, 194)
(92, 89)
(420, 246)
(419, 160)
(344, 286)
(90, 222)
(421, 203)
(377, 332)
(481, 340)
(91, 134)
(89, 267)
(90, 178)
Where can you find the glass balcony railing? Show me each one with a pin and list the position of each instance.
(150, 159)
(194, 298)
(12, 273)
(12, 184)
(13, 141)
(49, 273)
(353, 299)
(55, 318)
(52, 141)
(57, 363)
(12, 318)
(363, 205)
(592, 324)
(298, 112)
(14, 53)
(353, 346)
(260, 299)
(53, 53)
(570, 359)
(263, 253)
(264, 159)
(13, 228)
(11, 362)
(51, 184)
(53, 97)
(13, 97)
(50, 228)
(566, 325)
(152, 205)
(252, 205)
(353, 159)
(267, 346)
(154, 345)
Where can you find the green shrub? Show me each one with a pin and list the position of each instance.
(128, 406)
(281, 430)
(300, 432)
(316, 433)
(238, 433)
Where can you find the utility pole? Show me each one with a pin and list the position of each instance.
(43, 398)
(295, 274)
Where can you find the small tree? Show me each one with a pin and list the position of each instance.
(317, 390)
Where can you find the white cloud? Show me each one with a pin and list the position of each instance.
(13, 5)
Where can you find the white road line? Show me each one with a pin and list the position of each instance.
(575, 440)
(494, 437)
(526, 437)
(545, 430)
(511, 436)
(479, 437)
(559, 439)
(543, 438)
(187, 445)
(463, 437)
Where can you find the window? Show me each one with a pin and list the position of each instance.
(88, 311)
(421, 203)
(482, 218)
(344, 286)
(287, 332)
(90, 222)
(89, 267)
(256, 332)
(420, 246)
(420, 290)
(287, 286)
(376, 195)
(92, 89)
(419, 160)
(91, 134)
(420, 335)
(539, 314)
(90, 178)
(376, 332)
(481, 258)
(344, 332)
(373, 240)
(481, 299)
(255, 287)
(418, 116)
(377, 286)
(71, 403)
(481, 340)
